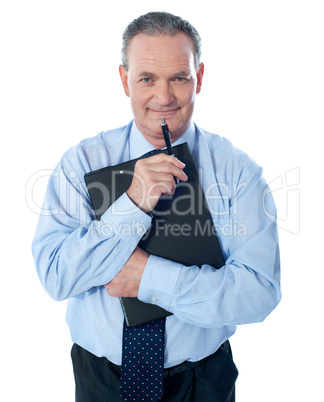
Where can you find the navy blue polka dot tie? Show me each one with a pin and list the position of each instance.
(143, 362)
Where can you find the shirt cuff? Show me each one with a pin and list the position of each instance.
(159, 281)
(125, 220)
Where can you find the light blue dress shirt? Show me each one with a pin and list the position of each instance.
(75, 255)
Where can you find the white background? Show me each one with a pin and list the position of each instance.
(263, 89)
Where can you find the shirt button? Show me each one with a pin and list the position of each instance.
(154, 299)
(140, 229)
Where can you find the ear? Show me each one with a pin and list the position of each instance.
(124, 78)
(200, 74)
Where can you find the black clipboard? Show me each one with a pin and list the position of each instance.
(182, 229)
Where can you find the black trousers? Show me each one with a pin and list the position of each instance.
(209, 380)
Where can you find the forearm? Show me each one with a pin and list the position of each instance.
(245, 290)
(70, 262)
(206, 297)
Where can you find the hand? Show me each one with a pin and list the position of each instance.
(126, 283)
(153, 178)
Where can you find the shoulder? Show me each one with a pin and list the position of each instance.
(99, 151)
(104, 138)
(226, 162)
(223, 150)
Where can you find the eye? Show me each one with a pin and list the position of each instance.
(147, 79)
(181, 80)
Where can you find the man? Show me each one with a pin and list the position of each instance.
(93, 263)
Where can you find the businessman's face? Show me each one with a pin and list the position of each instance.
(162, 83)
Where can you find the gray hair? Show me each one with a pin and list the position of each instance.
(157, 23)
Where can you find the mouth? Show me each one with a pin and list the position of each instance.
(165, 112)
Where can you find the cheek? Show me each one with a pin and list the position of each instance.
(187, 95)
(187, 104)
(139, 100)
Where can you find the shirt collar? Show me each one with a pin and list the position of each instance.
(140, 146)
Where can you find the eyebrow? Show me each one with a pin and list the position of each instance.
(182, 73)
(178, 74)
(146, 74)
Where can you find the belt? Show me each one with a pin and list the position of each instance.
(182, 367)
(186, 366)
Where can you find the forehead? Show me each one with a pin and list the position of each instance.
(161, 51)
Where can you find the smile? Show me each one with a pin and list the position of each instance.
(165, 112)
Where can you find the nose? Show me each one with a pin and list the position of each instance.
(163, 94)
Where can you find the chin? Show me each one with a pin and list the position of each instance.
(177, 129)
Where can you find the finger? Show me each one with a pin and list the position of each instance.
(163, 157)
(128, 289)
(164, 185)
(114, 292)
(114, 287)
(166, 167)
(154, 177)
(154, 183)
